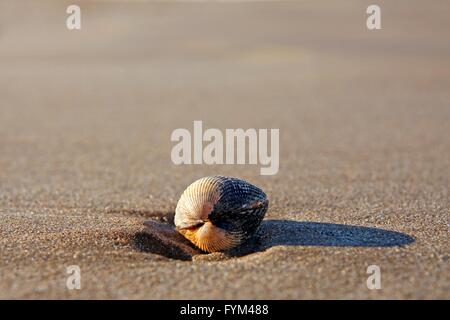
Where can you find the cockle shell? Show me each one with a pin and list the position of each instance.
(218, 213)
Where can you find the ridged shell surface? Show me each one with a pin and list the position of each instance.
(218, 213)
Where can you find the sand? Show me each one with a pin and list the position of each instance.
(85, 124)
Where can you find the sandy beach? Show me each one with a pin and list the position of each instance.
(86, 118)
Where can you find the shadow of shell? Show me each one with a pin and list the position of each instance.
(163, 239)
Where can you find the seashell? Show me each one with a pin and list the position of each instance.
(219, 213)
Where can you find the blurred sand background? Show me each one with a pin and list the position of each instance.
(85, 124)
